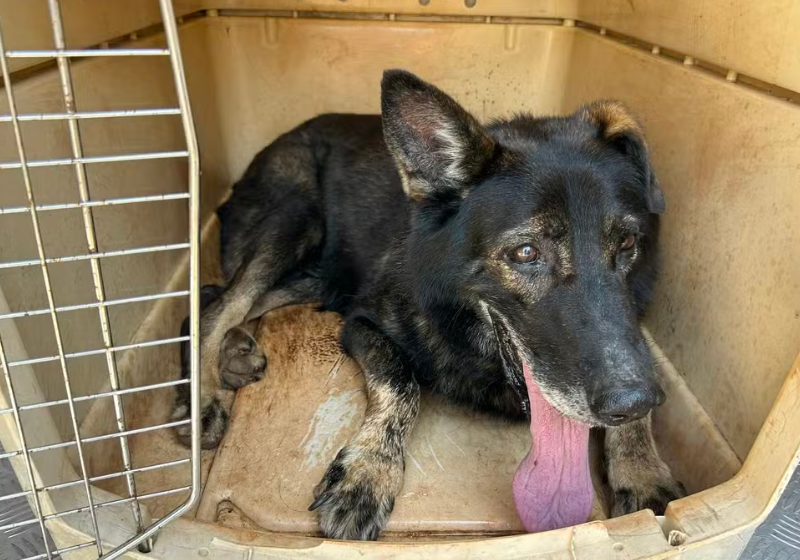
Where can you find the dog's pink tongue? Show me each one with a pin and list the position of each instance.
(553, 485)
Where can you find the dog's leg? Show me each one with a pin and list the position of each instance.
(222, 342)
(221, 316)
(636, 474)
(242, 361)
(303, 289)
(240, 355)
(357, 493)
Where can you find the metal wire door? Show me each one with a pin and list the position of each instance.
(26, 455)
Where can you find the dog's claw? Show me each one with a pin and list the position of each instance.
(318, 501)
(214, 422)
(354, 502)
(655, 498)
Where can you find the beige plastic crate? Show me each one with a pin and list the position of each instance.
(715, 85)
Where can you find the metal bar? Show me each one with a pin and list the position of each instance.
(86, 353)
(92, 508)
(25, 450)
(15, 495)
(80, 115)
(182, 92)
(3, 361)
(154, 386)
(80, 53)
(23, 165)
(65, 76)
(117, 502)
(92, 203)
(107, 303)
(62, 550)
(78, 160)
(117, 474)
(171, 32)
(98, 478)
(105, 254)
(94, 159)
(93, 439)
(135, 431)
(9, 454)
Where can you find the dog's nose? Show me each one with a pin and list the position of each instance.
(624, 404)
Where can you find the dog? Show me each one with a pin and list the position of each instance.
(455, 252)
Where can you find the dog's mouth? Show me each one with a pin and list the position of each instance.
(553, 485)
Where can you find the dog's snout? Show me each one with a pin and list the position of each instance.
(619, 405)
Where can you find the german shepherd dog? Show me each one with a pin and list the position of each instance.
(454, 252)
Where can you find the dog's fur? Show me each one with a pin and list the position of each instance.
(409, 226)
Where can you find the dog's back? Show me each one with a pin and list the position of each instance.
(335, 173)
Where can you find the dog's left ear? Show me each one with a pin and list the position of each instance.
(616, 125)
(439, 148)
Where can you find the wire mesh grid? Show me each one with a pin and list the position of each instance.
(27, 454)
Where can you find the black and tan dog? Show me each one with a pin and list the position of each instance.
(454, 251)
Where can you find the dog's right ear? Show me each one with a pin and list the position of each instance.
(439, 148)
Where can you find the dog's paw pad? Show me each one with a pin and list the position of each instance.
(241, 360)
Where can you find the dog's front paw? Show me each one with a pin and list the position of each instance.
(356, 495)
(213, 422)
(652, 494)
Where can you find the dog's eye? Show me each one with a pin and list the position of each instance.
(524, 254)
(627, 243)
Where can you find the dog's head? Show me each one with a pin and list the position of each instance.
(547, 228)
